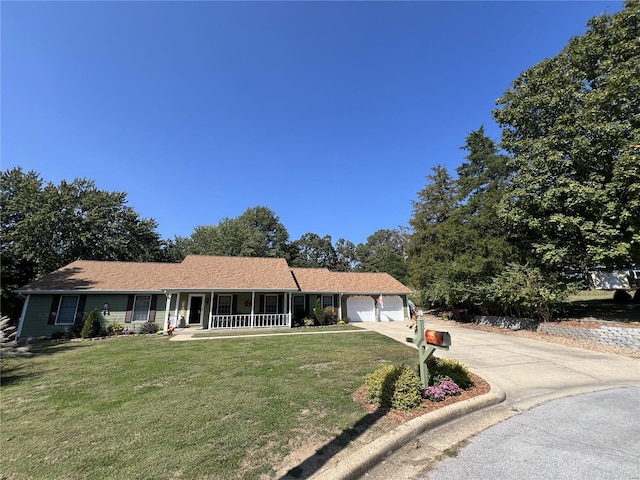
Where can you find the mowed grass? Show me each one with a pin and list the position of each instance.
(148, 408)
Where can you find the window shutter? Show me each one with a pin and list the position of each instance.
(55, 303)
(307, 306)
(280, 303)
(214, 304)
(335, 301)
(152, 308)
(234, 304)
(129, 314)
(80, 310)
(261, 301)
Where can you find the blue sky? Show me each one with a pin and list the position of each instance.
(329, 113)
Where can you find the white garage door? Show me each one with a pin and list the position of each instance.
(361, 309)
(391, 309)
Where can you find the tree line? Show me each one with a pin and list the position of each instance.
(560, 190)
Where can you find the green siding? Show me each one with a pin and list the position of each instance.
(37, 314)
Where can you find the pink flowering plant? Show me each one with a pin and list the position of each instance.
(434, 394)
(450, 389)
(441, 391)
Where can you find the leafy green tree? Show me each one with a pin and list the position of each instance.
(572, 124)
(384, 251)
(313, 251)
(345, 255)
(45, 227)
(256, 233)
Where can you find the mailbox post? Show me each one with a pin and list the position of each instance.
(427, 342)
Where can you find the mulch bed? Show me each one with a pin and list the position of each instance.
(399, 417)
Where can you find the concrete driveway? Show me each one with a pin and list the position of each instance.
(529, 372)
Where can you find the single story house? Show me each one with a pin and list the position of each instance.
(204, 292)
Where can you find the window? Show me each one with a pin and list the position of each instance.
(67, 309)
(298, 306)
(327, 301)
(141, 308)
(224, 305)
(271, 304)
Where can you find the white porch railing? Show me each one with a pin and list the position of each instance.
(258, 320)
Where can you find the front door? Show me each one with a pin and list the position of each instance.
(195, 310)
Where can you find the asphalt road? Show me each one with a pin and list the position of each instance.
(594, 435)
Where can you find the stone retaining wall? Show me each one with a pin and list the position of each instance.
(616, 336)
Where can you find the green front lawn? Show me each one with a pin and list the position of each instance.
(147, 408)
(600, 304)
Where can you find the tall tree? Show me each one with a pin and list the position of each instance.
(572, 123)
(384, 251)
(313, 251)
(44, 227)
(256, 233)
(429, 244)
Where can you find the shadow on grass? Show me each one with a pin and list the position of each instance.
(315, 462)
(13, 373)
(605, 310)
(15, 369)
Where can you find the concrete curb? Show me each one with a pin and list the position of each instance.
(356, 464)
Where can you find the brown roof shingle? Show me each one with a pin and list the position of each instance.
(198, 272)
(322, 280)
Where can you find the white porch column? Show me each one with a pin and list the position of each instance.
(290, 309)
(177, 310)
(166, 312)
(211, 309)
(340, 306)
(253, 309)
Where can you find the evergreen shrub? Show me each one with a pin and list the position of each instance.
(407, 393)
(91, 327)
(148, 327)
(380, 385)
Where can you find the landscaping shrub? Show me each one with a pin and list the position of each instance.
(407, 392)
(380, 385)
(8, 345)
(318, 312)
(330, 316)
(91, 327)
(621, 296)
(636, 296)
(453, 369)
(58, 334)
(309, 322)
(148, 327)
(115, 328)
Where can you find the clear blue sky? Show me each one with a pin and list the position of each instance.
(329, 113)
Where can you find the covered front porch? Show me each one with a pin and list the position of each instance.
(221, 310)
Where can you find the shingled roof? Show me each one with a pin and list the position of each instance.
(198, 272)
(319, 280)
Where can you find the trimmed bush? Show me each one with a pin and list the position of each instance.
(115, 328)
(91, 327)
(148, 327)
(454, 370)
(621, 296)
(380, 385)
(407, 393)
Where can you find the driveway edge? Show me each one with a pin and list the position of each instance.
(369, 455)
